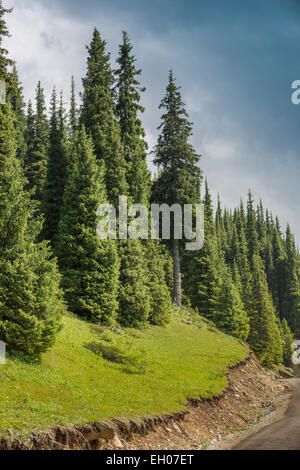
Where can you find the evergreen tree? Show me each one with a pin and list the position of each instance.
(179, 178)
(134, 295)
(220, 229)
(5, 62)
(56, 171)
(160, 294)
(134, 146)
(252, 237)
(264, 337)
(15, 97)
(90, 267)
(29, 135)
(291, 296)
(98, 117)
(287, 341)
(202, 268)
(278, 282)
(230, 314)
(30, 297)
(243, 264)
(73, 113)
(37, 150)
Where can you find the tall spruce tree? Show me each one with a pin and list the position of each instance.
(31, 301)
(179, 178)
(90, 267)
(98, 117)
(37, 149)
(143, 293)
(56, 171)
(134, 146)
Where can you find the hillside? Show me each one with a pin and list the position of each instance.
(93, 373)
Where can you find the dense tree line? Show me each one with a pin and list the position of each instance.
(57, 168)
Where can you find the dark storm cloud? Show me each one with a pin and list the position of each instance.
(236, 61)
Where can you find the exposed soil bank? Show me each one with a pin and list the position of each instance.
(252, 392)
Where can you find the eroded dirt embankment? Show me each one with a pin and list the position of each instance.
(251, 393)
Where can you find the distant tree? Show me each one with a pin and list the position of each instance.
(264, 337)
(287, 341)
(251, 232)
(73, 113)
(291, 295)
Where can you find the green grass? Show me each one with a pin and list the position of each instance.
(93, 374)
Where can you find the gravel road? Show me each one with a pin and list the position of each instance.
(281, 435)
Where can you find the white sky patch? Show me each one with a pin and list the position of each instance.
(46, 46)
(219, 149)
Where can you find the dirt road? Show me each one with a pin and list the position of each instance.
(281, 435)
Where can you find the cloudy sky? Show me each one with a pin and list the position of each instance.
(235, 61)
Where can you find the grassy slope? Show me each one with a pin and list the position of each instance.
(73, 384)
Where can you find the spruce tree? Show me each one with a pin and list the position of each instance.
(264, 337)
(56, 171)
(134, 295)
(230, 314)
(202, 268)
(37, 150)
(241, 259)
(98, 117)
(160, 293)
(252, 237)
(5, 62)
(220, 229)
(291, 296)
(278, 284)
(73, 113)
(15, 97)
(134, 146)
(287, 341)
(90, 267)
(31, 301)
(179, 179)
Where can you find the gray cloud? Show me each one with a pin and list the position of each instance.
(235, 61)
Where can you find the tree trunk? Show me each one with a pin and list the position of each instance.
(177, 273)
